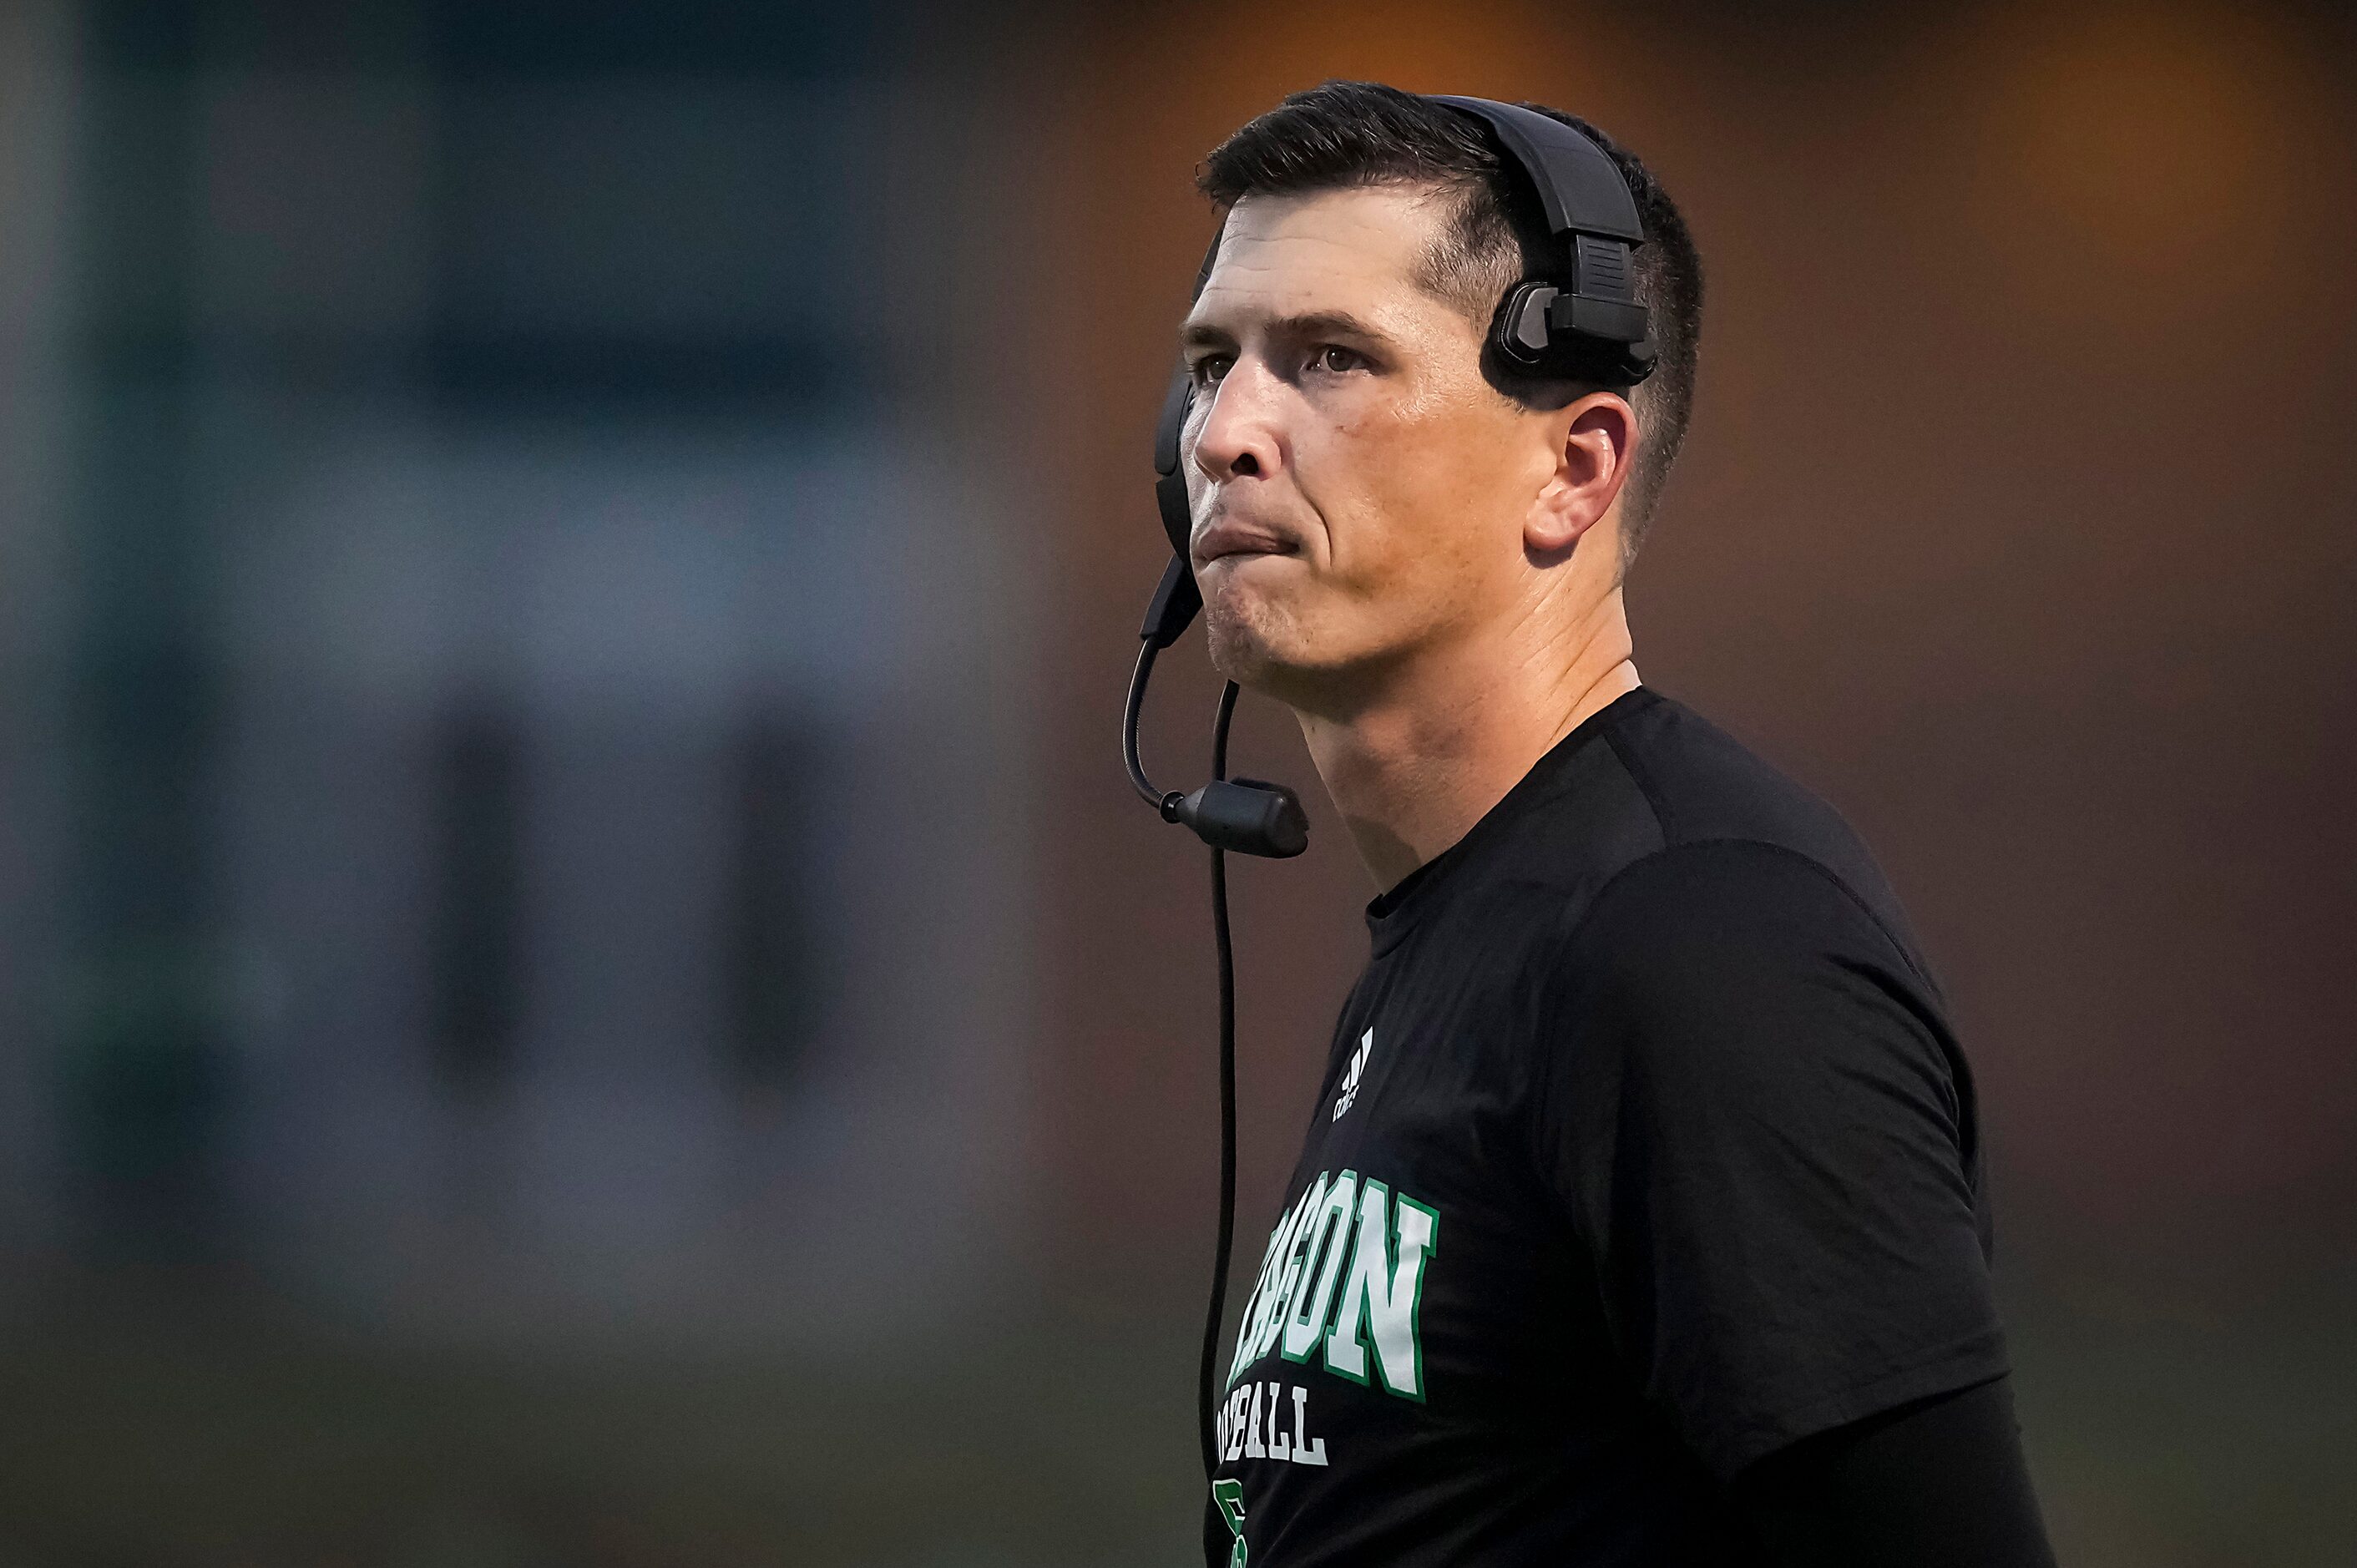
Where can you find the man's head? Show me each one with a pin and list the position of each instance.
(1366, 481)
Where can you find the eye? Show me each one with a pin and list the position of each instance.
(1335, 360)
(1210, 368)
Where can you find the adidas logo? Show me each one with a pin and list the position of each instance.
(1351, 1074)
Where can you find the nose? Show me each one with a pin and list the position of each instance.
(1238, 436)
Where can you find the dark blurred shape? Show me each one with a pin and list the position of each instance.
(146, 1087)
(776, 944)
(477, 759)
(142, 1052)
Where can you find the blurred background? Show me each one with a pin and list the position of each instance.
(579, 982)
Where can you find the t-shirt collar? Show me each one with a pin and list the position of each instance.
(1391, 915)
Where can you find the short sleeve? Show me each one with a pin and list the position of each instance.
(1762, 1130)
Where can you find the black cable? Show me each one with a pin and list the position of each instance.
(1137, 780)
(1205, 1382)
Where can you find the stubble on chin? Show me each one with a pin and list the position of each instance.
(1241, 640)
(1236, 648)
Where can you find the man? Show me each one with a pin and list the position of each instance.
(1640, 1220)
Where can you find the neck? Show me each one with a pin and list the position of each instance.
(1415, 764)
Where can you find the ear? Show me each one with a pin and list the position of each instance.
(1593, 439)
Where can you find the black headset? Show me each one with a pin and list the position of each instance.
(1579, 321)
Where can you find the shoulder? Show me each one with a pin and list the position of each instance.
(1737, 834)
(1726, 1000)
(1742, 975)
(1723, 900)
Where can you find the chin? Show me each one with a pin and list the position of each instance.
(1265, 643)
(1237, 647)
(1282, 634)
(1250, 637)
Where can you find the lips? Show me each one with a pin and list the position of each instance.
(1236, 536)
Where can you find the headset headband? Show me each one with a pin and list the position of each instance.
(1579, 187)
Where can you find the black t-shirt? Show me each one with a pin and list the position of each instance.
(1644, 1151)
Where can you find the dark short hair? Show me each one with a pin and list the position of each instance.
(1348, 135)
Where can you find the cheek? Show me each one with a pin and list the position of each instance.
(1410, 497)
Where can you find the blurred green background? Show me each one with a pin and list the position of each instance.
(579, 982)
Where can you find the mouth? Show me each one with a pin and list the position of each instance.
(1235, 537)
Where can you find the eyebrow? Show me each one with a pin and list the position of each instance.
(1310, 324)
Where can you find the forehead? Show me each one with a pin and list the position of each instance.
(1290, 255)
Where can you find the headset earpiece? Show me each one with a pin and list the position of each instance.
(1520, 332)
(1581, 322)
(1538, 328)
